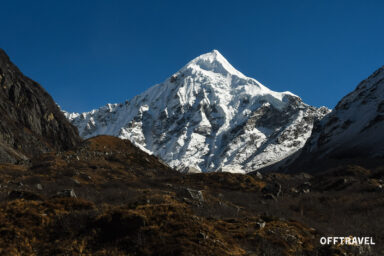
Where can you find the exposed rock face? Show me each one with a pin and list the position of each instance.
(354, 130)
(208, 116)
(31, 122)
(356, 126)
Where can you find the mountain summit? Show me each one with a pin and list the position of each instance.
(208, 117)
(213, 62)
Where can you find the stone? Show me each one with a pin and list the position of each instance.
(305, 187)
(260, 224)
(66, 193)
(196, 194)
(258, 175)
(273, 188)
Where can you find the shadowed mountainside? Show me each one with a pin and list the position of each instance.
(31, 122)
(351, 134)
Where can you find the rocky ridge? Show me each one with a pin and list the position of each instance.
(31, 122)
(351, 133)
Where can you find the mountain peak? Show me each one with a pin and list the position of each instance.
(214, 54)
(214, 62)
(206, 116)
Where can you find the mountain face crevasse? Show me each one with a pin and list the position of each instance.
(31, 122)
(208, 117)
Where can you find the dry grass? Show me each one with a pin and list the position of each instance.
(128, 203)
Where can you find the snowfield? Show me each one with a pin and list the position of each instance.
(208, 117)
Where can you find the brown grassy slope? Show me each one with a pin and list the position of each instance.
(129, 203)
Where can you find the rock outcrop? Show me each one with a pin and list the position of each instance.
(31, 122)
(351, 133)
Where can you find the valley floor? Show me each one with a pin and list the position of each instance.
(106, 197)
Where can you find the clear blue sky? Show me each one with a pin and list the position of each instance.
(89, 53)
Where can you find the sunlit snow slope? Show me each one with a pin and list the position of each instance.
(208, 117)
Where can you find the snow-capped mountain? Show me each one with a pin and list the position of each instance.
(208, 117)
(356, 126)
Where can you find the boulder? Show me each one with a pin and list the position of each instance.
(196, 195)
(66, 193)
(273, 188)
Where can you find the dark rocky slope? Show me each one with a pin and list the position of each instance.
(31, 122)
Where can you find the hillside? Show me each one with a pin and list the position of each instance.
(351, 134)
(107, 197)
(31, 122)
